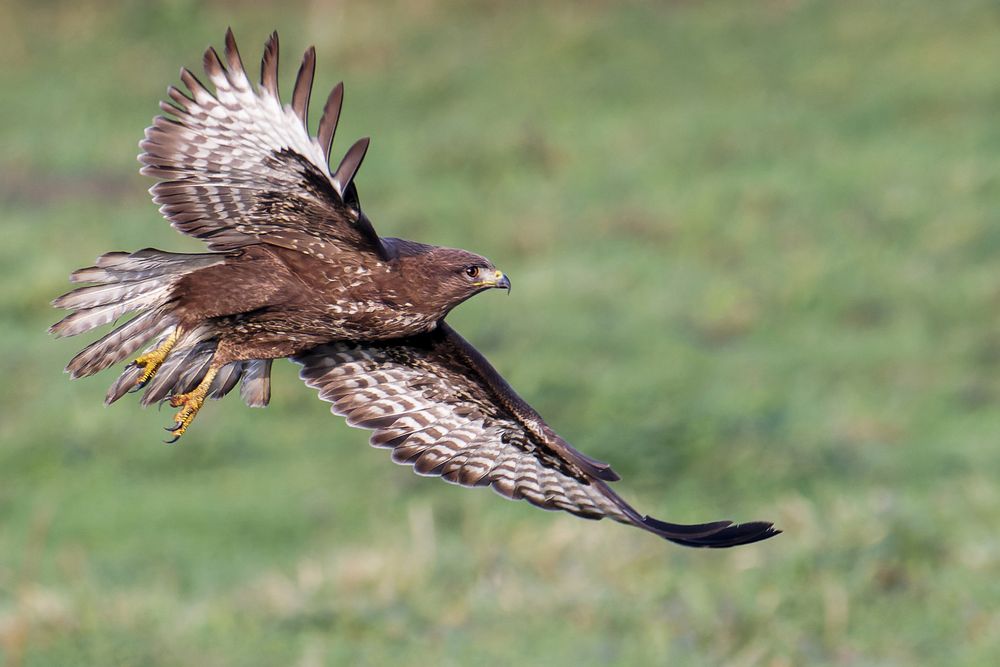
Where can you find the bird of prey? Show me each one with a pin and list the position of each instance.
(295, 269)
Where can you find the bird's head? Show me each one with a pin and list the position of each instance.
(455, 275)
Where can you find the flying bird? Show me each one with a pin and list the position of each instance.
(295, 269)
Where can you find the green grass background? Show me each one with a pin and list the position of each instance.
(754, 253)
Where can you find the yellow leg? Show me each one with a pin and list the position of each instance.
(152, 360)
(190, 403)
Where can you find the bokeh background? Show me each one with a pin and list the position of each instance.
(754, 253)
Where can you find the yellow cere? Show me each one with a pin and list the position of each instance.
(496, 278)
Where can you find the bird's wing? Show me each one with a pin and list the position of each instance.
(442, 408)
(238, 167)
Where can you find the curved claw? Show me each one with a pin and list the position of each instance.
(151, 361)
(177, 429)
(189, 404)
(135, 387)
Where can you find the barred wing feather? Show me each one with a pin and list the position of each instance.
(238, 167)
(440, 407)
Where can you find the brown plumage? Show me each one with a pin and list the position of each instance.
(297, 270)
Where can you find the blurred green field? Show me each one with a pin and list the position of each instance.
(754, 252)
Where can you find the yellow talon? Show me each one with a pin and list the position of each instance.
(152, 360)
(189, 404)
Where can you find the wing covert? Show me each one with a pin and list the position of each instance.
(238, 167)
(439, 406)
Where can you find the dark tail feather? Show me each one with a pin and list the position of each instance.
(226, 379)
(116, 267)
(116, 346)
(141, 284)
(256, 387)
(128, 284)
(102, 304)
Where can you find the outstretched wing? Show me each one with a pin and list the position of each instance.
(240, 168)
(440, 407)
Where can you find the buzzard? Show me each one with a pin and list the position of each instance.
(296, 270)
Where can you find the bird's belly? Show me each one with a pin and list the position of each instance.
(376, 320)
(294, 329)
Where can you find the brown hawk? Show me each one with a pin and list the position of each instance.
(296, 270)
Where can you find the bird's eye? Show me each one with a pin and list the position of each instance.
(472, 271)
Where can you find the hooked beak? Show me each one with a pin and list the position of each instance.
(503, 282)
(498, 281)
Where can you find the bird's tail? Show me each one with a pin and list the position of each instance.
(140, 284)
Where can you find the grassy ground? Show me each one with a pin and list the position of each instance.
(754, 253)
